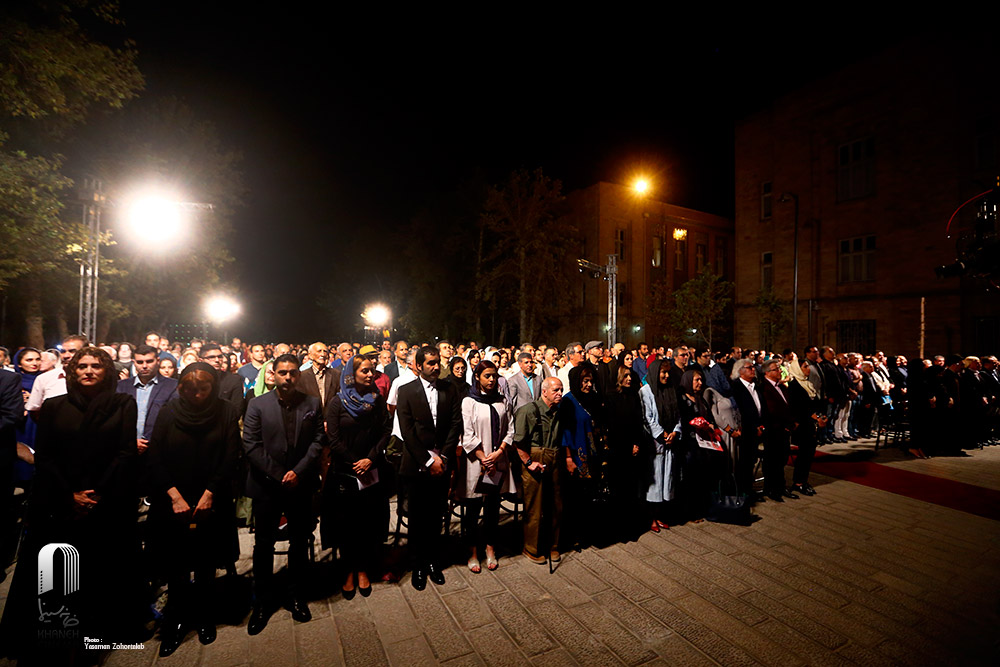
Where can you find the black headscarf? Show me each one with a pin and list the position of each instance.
(489, 399)
(460, 384)
(190, 418)
(665, 396)
(590, 401)
(687, 387)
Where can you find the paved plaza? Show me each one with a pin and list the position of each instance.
(854, 575)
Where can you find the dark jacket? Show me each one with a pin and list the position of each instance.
(268, 452)
(164, 390)
(420, 434)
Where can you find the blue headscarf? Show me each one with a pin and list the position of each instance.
(355, 403)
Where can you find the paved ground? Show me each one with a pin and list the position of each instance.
(853, 575)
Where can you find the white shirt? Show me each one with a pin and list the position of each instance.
(47, 385)
(431, 392)
(753, 393)
(406, 376)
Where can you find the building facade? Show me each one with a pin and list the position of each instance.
(652, 242)
(868, 165)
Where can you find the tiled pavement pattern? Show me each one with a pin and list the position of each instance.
(854, 575)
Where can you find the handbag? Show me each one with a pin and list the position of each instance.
(732, 508)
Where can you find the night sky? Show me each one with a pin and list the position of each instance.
(348, 128)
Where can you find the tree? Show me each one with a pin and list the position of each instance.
(527, 237)
(699, 304)
(773, 318)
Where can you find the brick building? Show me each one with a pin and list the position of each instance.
(879, 154)
(643, 234)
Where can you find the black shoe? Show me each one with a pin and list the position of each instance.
(435, 574)
(805, 489)
(787, 493)
(366, 591)
(258, 620)
(419, 579)
(171, 637)
(776, 497)
(206, 633)
(300, 611)
(349, 595)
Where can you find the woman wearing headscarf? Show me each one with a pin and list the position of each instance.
(27, 362)
(456, 375)
(192, 463)
(662, 421)
(629, 450)
(356, 507)
(472, 359)
(580, 414)
(84, 496)
(488, 435)
(699, 465)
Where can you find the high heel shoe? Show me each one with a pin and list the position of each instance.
(663, 525)
(655, 527)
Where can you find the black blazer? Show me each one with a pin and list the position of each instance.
(11, 413)
(164, 390)
(268, 451)
(778, 413)
(750, 417)
(392, 370)
(416, 424)
(308, 385)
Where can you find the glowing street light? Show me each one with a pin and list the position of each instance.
(154, 217)
(221, 308)
(641, 186)
(376, 315)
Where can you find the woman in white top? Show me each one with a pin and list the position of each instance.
(489, 434)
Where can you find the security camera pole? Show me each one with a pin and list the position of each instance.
(610, 274)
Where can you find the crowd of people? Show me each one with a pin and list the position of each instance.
(598, 444)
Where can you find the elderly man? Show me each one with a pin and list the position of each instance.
(574, 357)
(524, 386)
(751, 409)
(538, 438)
(53, 383)
(445, 351)
(779, 423)
(344, 353)
(318, 379)
(399, 351)
(603, 380)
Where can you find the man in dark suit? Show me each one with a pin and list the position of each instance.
(318, 379)
(525, 386)
(751, 407)
(150, 390)
(230, 384)
(399, 350)
(11, 412)
(282, 436)
(430, 419)
(778, 426)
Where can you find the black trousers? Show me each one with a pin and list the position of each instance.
(776, 450)
(805, 440)
(427, 501)
(489, 505)
(297, 508)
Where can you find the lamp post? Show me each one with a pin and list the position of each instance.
(375, 317)
(609, 272)
(794, 198)
(220, 309)
(155, 216)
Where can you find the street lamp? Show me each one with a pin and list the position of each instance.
(641, 186)
(376, 316)
(219, 309)
(609, 273)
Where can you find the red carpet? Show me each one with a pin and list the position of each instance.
(956, 495)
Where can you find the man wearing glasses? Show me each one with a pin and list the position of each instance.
(574, 357)
(230, 384)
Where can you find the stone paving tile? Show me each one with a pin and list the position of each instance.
(414, 652)
(835, 620)
(559, 586)
(876, 559)
(317, 644)
(799, 644)
(637, 548)
(272, 646)
(581, 577)
(444, 637)
(527, 633)
(797, 621)
(559, 658)
(391, 615)
(739, 634)
(230, 648)
(584, 647)
(703, 638)
(856, 593)
(724, 600)
(710, 541)
(602, 625)
(628, 586)
(359, 638)
(516, 579)
(678, 651)
(495, 647)
(467, 660)
(485, 583)
(860, 655)
(634, 617)
(681, 541)
(913, 640)
(698, 565)
(468, 609)
(795, 582)
(654, 572)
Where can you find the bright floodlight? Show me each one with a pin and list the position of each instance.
(376, 315)
(641, 186)
(155, 218)
(221, 308)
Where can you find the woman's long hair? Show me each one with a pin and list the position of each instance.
(110, 374)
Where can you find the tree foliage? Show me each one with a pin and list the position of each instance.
(527, 240)
(699, 305)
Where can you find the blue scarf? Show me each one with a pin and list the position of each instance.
(354, 402)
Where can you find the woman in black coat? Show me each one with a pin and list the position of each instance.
(84, 502)
(192, 459)
(630, 454)
(356, 509)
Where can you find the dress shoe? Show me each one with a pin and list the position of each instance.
(554, 556)
(171, 637)
(537, 560)
(435, 574)
(788, 494)
(366, 591)
(419, 579)
(776, 497)
(300, 611)
(654, 527)
(206, 633)
(663, 524)
(805, 489)
(258, 620)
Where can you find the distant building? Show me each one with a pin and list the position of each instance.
(651, 241)
(879, 154)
